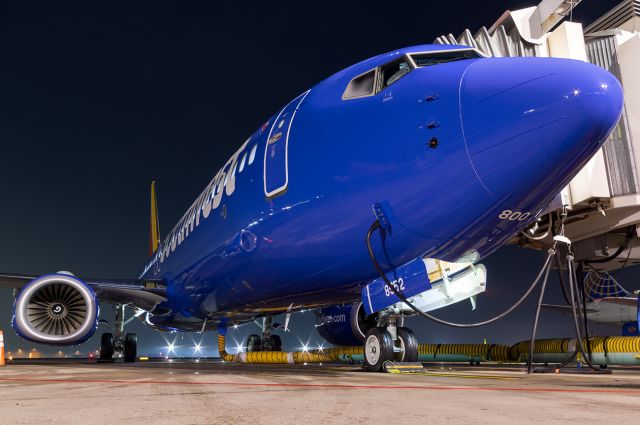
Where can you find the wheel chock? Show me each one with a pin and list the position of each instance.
(403, 367)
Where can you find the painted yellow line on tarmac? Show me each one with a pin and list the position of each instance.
(462, 375)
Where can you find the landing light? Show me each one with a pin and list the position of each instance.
(576, 92)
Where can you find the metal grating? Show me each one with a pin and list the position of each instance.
(618, 149)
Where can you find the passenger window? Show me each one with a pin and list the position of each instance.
(361, 86)
(244, 158)
(233, 170)
(252, 155)
(392, 72)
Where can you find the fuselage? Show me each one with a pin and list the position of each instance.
(462, 152)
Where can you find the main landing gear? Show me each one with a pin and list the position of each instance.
(266, 342)
(121, 346)
(389, 342)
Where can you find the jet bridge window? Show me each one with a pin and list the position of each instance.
(435, 58)
(392, 72)
(361, 86)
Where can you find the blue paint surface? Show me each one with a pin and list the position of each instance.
(410, 279)
(512, 132)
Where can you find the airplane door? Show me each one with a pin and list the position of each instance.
(276, 158)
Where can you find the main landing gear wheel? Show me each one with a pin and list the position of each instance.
(276, 343)
(130, 348)
(408, 344)
(106, 347)
(254, 343)
(378, 348)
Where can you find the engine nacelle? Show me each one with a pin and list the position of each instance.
(56, 309)
(345, 325)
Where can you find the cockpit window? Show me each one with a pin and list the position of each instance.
(392, 72)
(435, 58)
(361, 86)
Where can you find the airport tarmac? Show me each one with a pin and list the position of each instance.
(212, 392)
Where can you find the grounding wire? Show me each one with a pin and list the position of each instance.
(575, 313)
(534, 328)
(561, 279)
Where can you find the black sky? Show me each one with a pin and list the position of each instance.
(99, 98)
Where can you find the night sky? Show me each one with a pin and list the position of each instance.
(99, 98)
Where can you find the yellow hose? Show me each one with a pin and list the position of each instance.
(487, 352)
(288, 357)
(612, 350)
(605, 350)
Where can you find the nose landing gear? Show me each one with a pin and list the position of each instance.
(389, 343)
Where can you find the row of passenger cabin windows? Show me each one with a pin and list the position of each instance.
(246, 160)
(240, 165)
(376, 80)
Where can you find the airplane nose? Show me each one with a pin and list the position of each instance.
(534, 122)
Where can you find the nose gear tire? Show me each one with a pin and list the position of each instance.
(378, 348)
(408, 341)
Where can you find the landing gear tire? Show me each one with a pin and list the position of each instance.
(130, 348)
(276, 343)
(409, 345)
(378, 348)
(254, 343)
(106, 347)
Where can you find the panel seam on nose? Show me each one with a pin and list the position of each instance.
(464, 137)
(505, 90)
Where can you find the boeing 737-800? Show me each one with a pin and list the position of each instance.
(452, 151)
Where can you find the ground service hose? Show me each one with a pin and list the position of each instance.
(607, 350)
(290, 357)
(463, 352)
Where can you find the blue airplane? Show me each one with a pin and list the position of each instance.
(450, 152)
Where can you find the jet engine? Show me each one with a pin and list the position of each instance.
(345, 325)
(56, 309)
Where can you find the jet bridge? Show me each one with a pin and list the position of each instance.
(603, 200)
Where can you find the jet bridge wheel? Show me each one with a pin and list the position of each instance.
(378, 348)
(106, 347)
(130, 348)
(409, 345)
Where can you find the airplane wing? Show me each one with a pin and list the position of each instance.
(564, 308)
(135, 293)
(626, 301)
